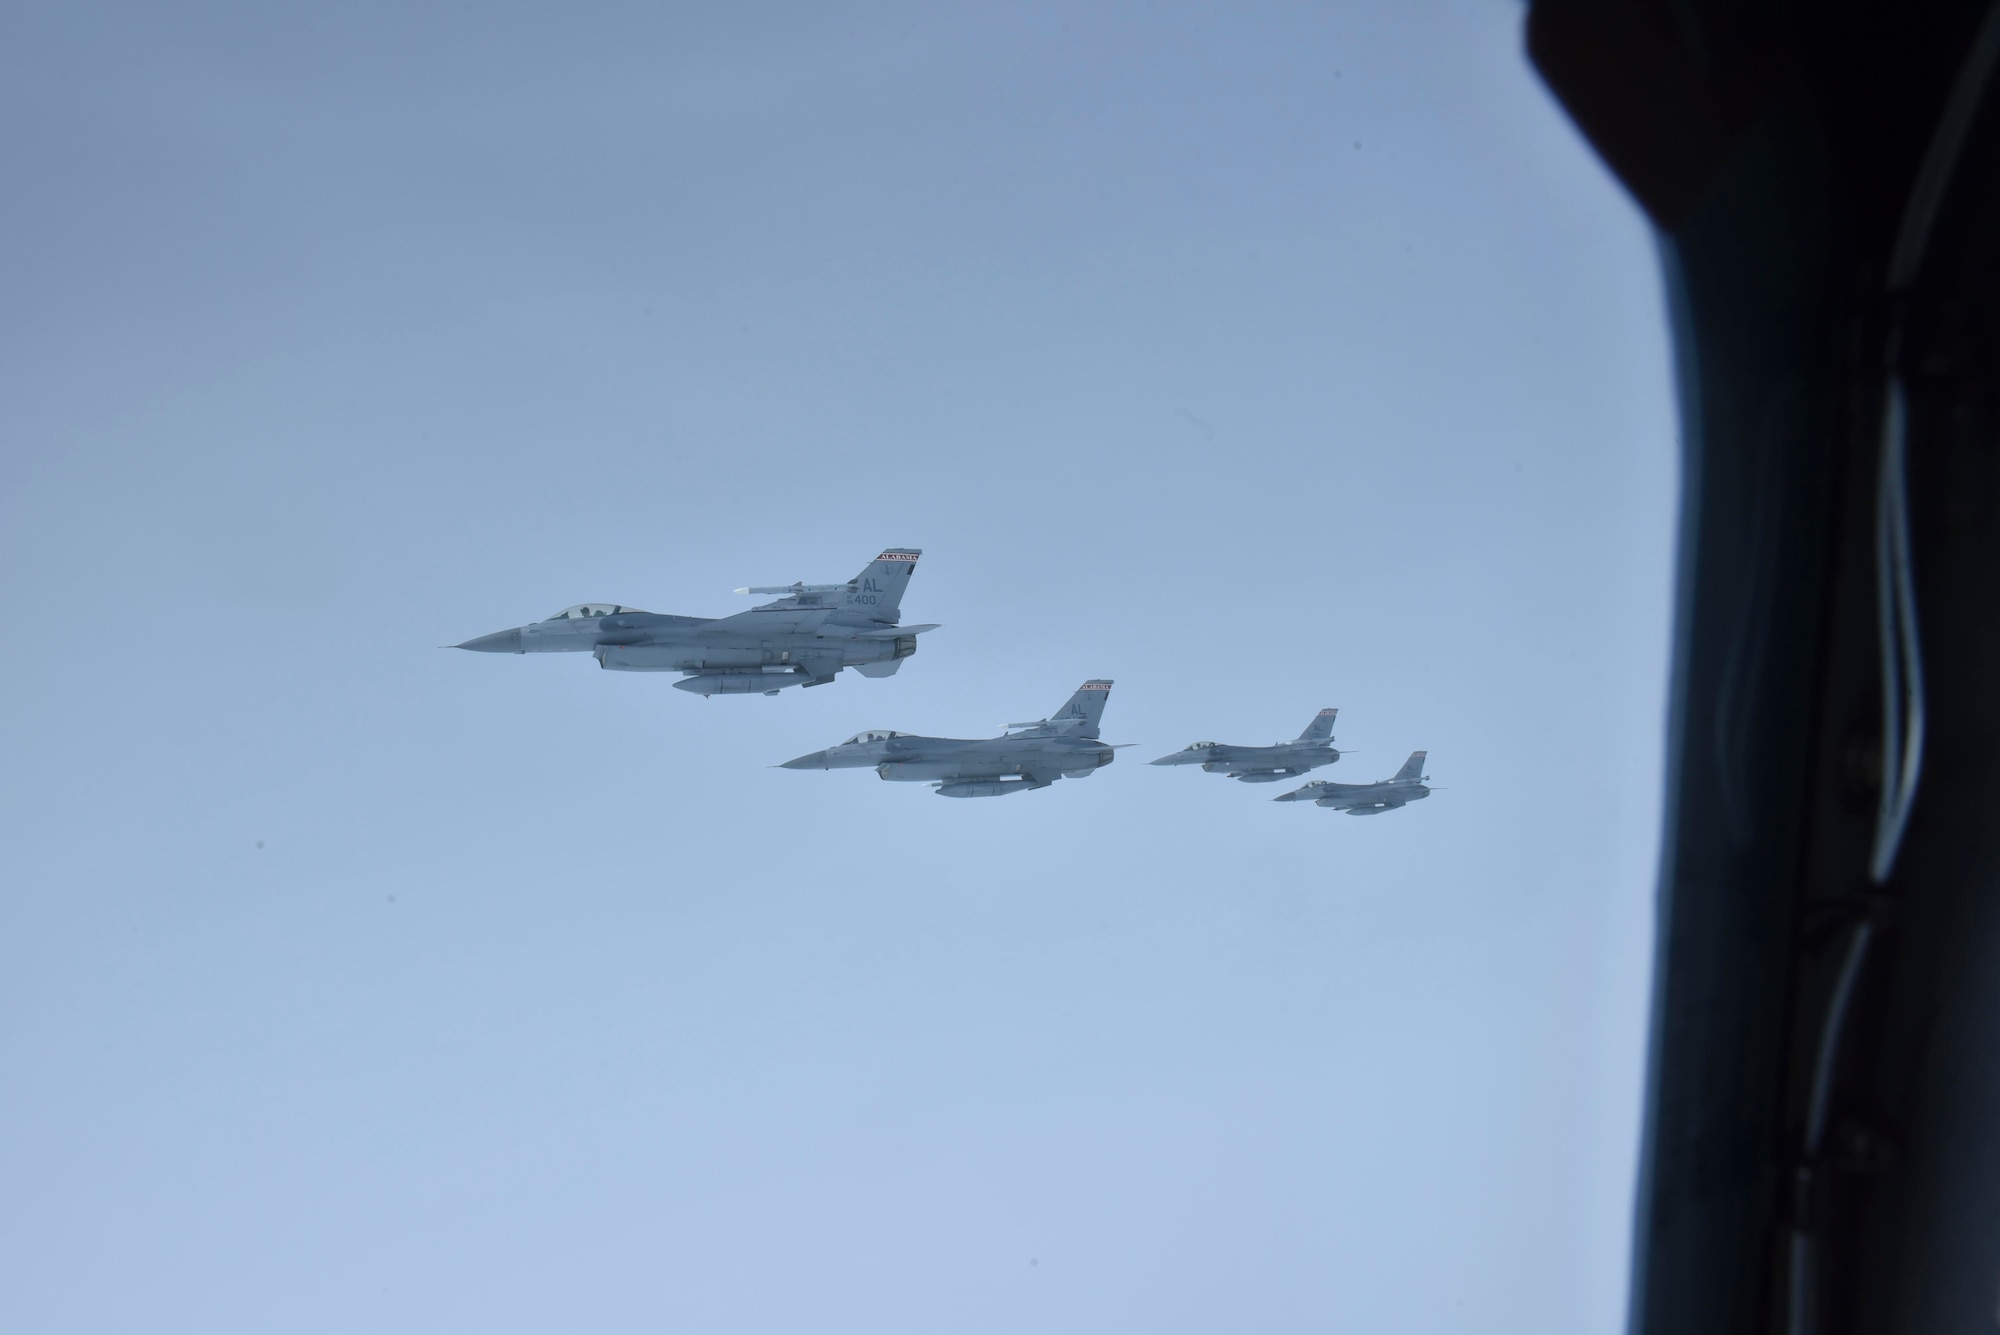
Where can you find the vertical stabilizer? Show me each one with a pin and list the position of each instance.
(877, 592)
(1413, 768)
(1321, 728)
(1086, 705)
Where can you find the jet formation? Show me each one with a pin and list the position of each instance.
(805, 638)
(813, 632)
(1027, 756)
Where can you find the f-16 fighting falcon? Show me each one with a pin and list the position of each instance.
(803, 639)
(1265, 764)
(1063, 746)
(1368, 799)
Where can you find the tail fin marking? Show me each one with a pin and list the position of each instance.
(1087, 705)
(1320, 728)
(877, 592)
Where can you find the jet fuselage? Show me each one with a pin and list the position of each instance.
(1255, 764)
(1063, 746)
(803, 639)
(929, 759)
(782, 644)
(1358, 799)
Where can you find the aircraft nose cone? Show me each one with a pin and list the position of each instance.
(499, 642)
(817, 760)
(1163, 760)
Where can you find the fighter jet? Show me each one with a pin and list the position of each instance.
(1368, 799)
(1265, 764)
(803, 639)
(1028, 755)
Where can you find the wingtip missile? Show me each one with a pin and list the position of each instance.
(788, 590)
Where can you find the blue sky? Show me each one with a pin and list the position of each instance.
(1259, 357)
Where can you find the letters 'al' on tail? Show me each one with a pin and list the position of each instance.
(1087, 704)
(1320, 728)
(1413, 768)
(877, 592)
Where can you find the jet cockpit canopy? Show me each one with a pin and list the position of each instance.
(874, 735)
(584, 610)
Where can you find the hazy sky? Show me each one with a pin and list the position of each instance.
(1261, 357)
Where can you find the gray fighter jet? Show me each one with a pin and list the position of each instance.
(1029, 755)
(1265, 764)
(803, 639)
(1368, 799)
